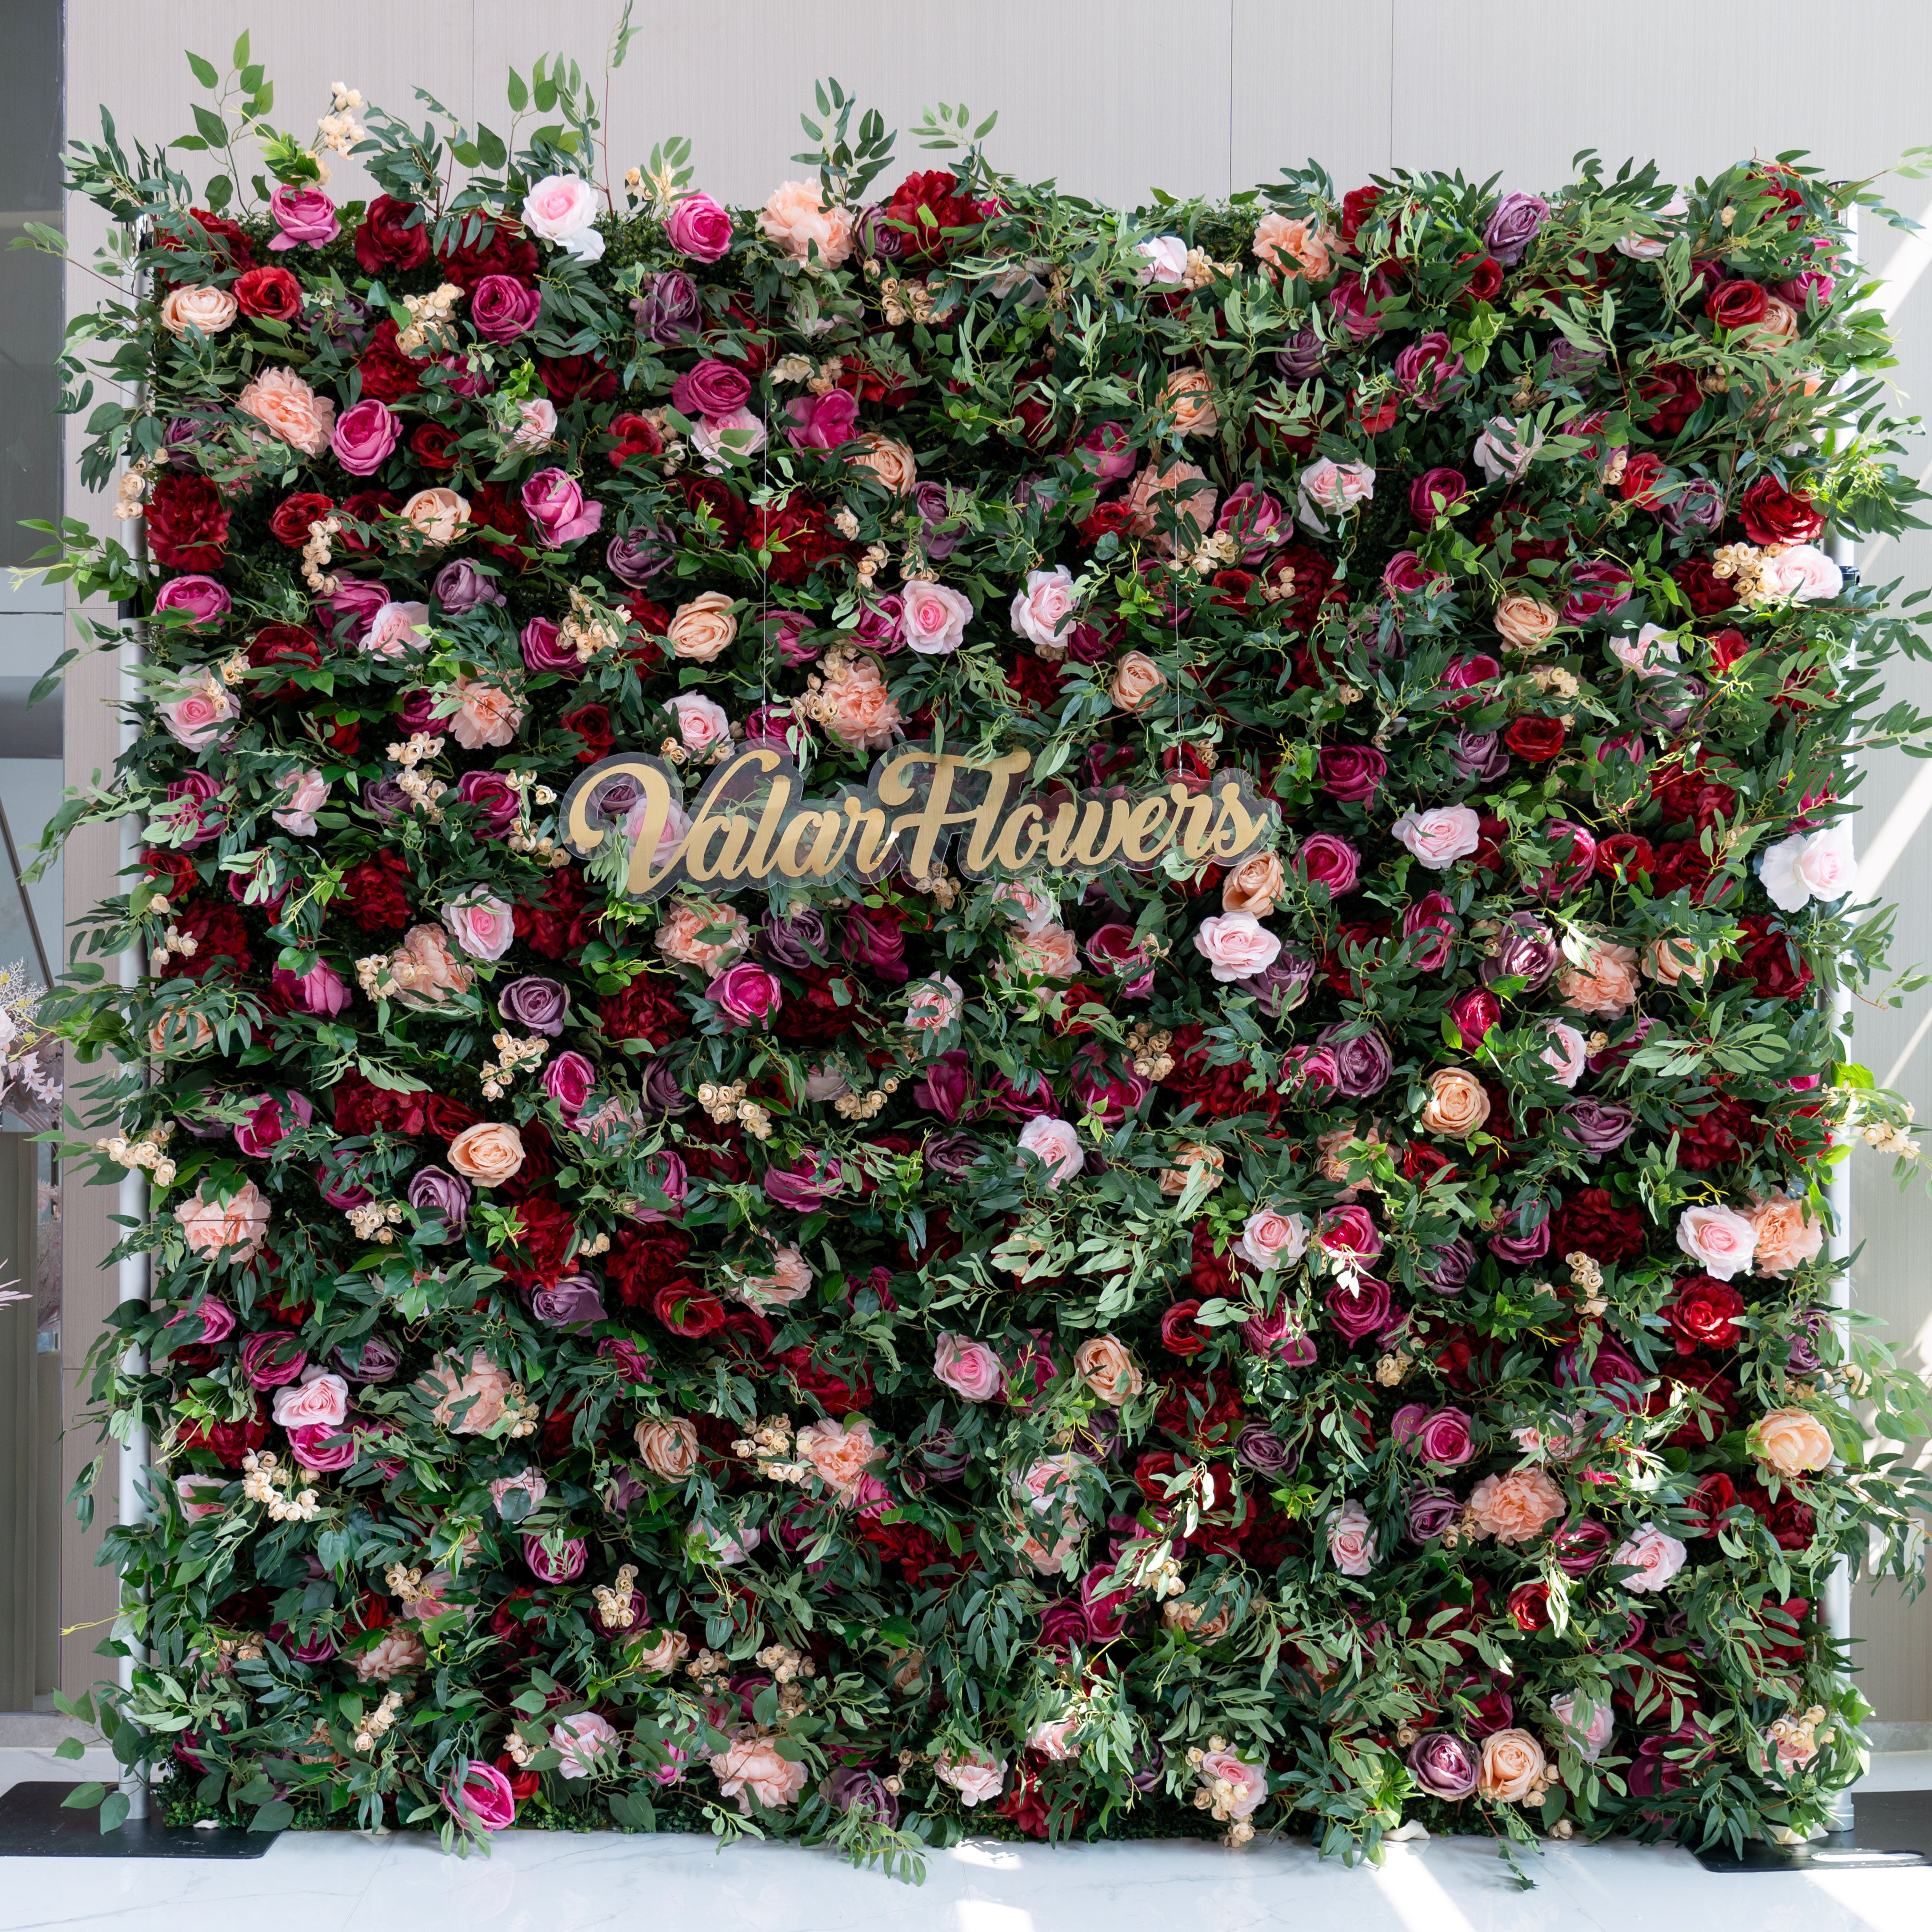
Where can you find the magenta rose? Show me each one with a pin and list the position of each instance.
(1351, 774)
(544, 648)
(306, 217)
(698, 227)
(746, 994)
(555, 505)
(364, 436)
(822, 422)
(565, 1566)
(322, 1446)
(271, 1359)
(201, 600)
(568, 1080)
(1435, 493)
(947, 1087)
(1326, 860)
(1595, 590)
(501, 308)
(480, 1796)
(712, 389)
(321, 990)
(1445, 1438)
(809, 1182)
(1114, 950)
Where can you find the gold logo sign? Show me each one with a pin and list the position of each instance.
(752, 824)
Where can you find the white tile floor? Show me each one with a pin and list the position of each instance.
(538, 1881)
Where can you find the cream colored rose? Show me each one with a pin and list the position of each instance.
(1779, 327)
(796, 219)
(703, 628)
(889, 460)
(1607, 986)
(840, 1452)
(424, 970)
(858, 708)
(666, 1652)
(230, 1231)
(1105, 1365)
(211, 310)
(279, 399)
(1791, 1442)
(1294, 247)
(489, 1154)
(484, 715)
(1188, 397)
(1670, 959)
(667, 1447)
(678, 940)
(1513, 1767)
(1458, 1106)
(1525, 622)
(439, 516)
(1137, 679)
(1253, 886)
(1788, 1235)
(468, 1401)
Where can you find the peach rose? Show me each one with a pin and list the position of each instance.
(176, 1035)
(1458, 1105)
(279, 400)
(423, 969)
(1050, 953)
(1294, 246)
(859, 710)
(678, 940)
(439, 516)
(1137, 681)
(398, 1651)
(1192, 1160)
(1790, 1442)
(232, 1230)
(1513, 1767)
(1178, 490)
(890, 461)
(1788, 1235)
(468, 1401)
(791, 1277)
(1188, 397)
(484, 715)
(1105, 1365)
(1253, 886)
(1607, 986)
(840, 1453)
(1670, 959)
(797, 221)
(753, 1768)
(703, 628)
(668, 1448)
(1525, 622)
(1778, 327)
(211, 310)
(489, 1154)
(666, 1652)
(1514, 1507)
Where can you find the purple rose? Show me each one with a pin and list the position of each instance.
(555, 505)
(272, 1359)
(563, 1565)
(1512, 226)
(1264, 1451)
(1455, 1262)
(664, 1092)
(1595, 590)
(385, 799)
(1303, 354)
(1429, 1512)
(445, 1197)
(636, 556)
(712, 389)
(364, 436)
(1350, 774)
(947, 1087)
(1525, 951)
(822, 422)
(1479, 756)
(878, 236)
(1366, 1309)
(568, 1079)
(1363, 1066)
(374, 1359)
(791, 632)
(200, 599)
(501, 308)
(461, 588)
(612, 800)
(1566, 359)
(880, 625)
(536, 1003)
(858, 1790)
(951, 1157)
(572, 1303)
(1515, 1249)
(1693, 507)
(745, 995)
(1598, 1126)
(943, 1457)
(1807, 1325)
(935, 504)
(495, 799)
(338, 1182)
(795, 939)
(543, 649)
(1445, 1766)
(668, 308)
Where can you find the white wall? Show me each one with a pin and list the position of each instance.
(1112, 96)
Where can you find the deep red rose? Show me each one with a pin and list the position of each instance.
(590, 725)
(293, 515)
(272, 293)
(220, 237)
(1536, 740)
(643, 1260)
(1771, 958)
(1772, 514)
(1624, 855)
(392, 238)
(1706, 593)
(1528, 1607)
(1792, 1524)
(367, 508)
(1486, 278)
(1701, 1425)
(1375, 417)
(1639, 482)
(188, 526)
(555, 922)
(1424, 1164)
(1689, 793)
(446, 1118)
(645, 1010)
(817, 1016)
(1105, 519)
(1357, 205)
(1707, 1503)
(1673, 395)
(499, 249)
(434, 445)
(293, 646)
(572, 379)
(1715, 1138)
(537, 1260)
(923, 206)
(228, 1442)
(360, 1108)
(1704, 1314)
(388, 374)
(1736, 304)
(1035, 682)
(1592, 1223)
(375, 891)
(497, 518)
(636, 436)
(832, 1392)
(173, 872)
(1727, 646)
(1179, 1335)
(796, 534)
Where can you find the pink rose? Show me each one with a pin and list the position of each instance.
(969, 1368)
(582, 1739)
(1566, 1053)
(1236, 945)
(1590, 1737)
(933, 1005)
(755, 1767)
(1818, 866)
(1655, 1557)
(1238, 1788)
(202, 600)
(1327, 860)
(484, 715)
(934, 622)
(822, 422)
(1326, 488)
(1164, 262)
(1439, 835)
(1719, 1239)
(231, 1232)
(701, 722)
(196, 716)
(561, 209)
(365, 436)
(191, 1490)
(306, 217)
(1057, 1143)
(482, 1797)
(1040, 611)
(1271, 1240)
(976, 1777)
(840, 1452)
(568, 1079)
(1352, 1541)
(396, 628)
(555, 504)
(305, 792)
(698, 227)
(746, 994)
(320, 1400)
(485, 927)
(322, 989)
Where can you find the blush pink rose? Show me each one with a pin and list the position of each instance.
(305, 791)
(1439, 835)
(1351, 1540)
(976, 1776)
(1057, 1143)
(396, 628)
(1040, 611)
(321, 1400)
(1271, 1240)
(1656, 1558)
(1236, 945)
(968, 1368)
(485, 927)
(934, 618)
(195, 717)
(1719, 1239)
(582, 1739)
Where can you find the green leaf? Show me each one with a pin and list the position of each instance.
(240, 56)
(518, 93)
(70, 1749)
(276, 1816)
(114, 1810)
(210, 126)
(204, 71)
(83, 1797)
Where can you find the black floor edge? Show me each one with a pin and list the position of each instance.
(1891, 1830)
(34, 1825)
